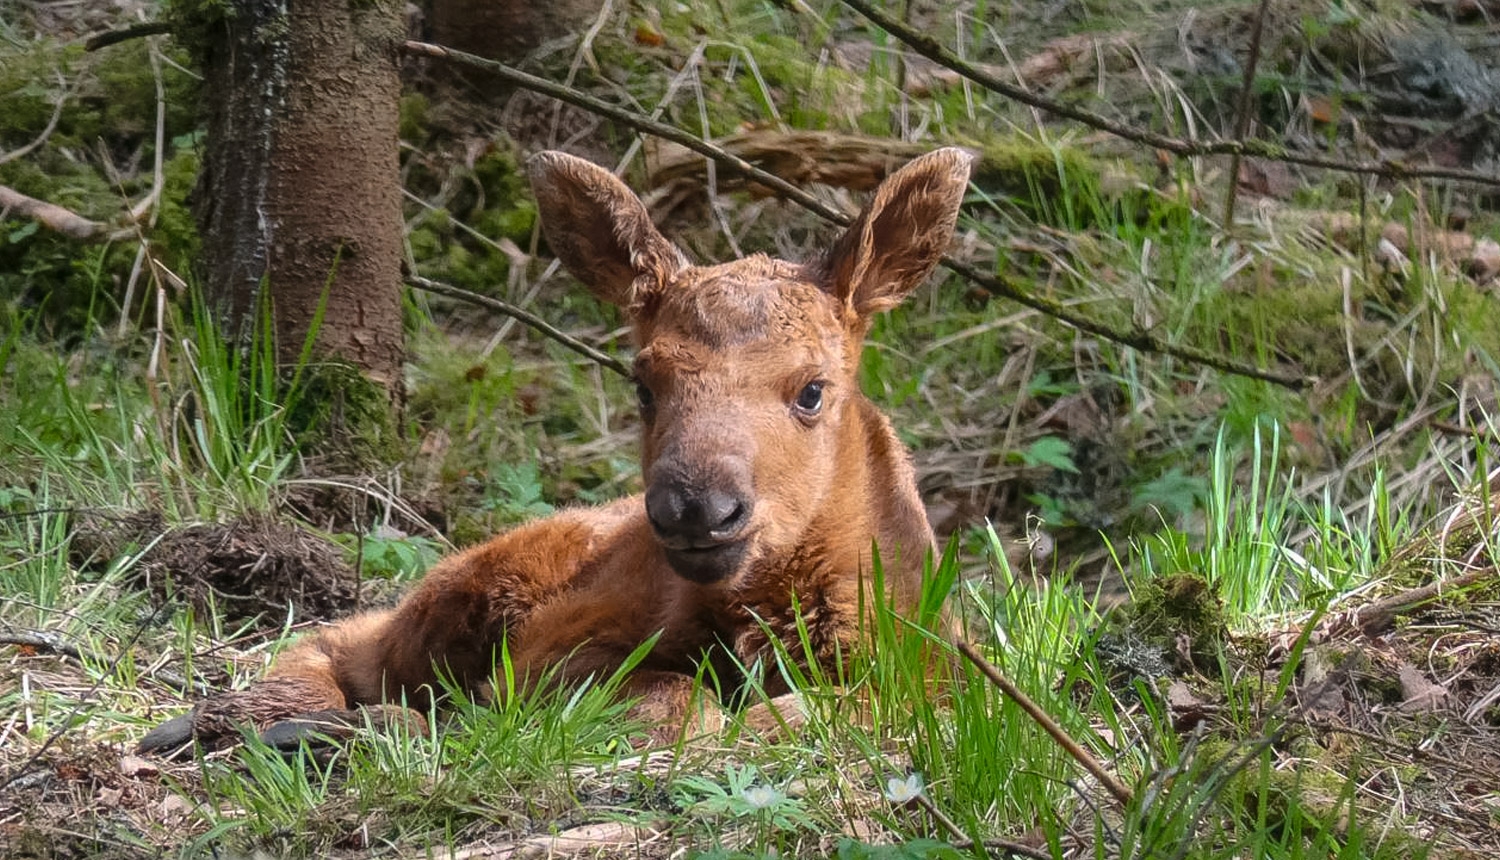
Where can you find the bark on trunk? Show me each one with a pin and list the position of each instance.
(300, 189)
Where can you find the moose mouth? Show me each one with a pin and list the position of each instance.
(708, 564)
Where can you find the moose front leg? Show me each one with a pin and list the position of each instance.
(318, 686)
(451, 624)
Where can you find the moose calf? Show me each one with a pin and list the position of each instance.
(768, 477)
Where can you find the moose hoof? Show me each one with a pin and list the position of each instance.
(170, 739)
(324, 729)
(320, 729)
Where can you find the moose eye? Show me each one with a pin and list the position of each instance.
(644, 396)
(811, 398)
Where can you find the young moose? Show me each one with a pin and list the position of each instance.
(768, 475)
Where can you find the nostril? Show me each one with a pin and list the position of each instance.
(666, 509)
(734, 513)
(695, 518)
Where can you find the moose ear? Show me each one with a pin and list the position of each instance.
(599, 229)
(901, 235)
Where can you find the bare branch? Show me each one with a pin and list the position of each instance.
(1242, 121)
(125, 34)
(46, 640)
(932, 50)
(524, 316)
(148, 204)
(1082, 756)
(52, 216)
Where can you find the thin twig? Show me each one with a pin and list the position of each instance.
(943, 820)
(148, 204)
(125, 34)
(932, 50)
(524, 316)
(1018, 849)
(1084, 757)
(634, 120)
(57, 111)
(46, 640)
(1137, 338)
(585, 52)
(1242, 122)
(962, 842)
(1452, 429)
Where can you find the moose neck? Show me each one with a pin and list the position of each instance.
(876, 501)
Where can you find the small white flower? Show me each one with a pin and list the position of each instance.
(900, 791)
(759, 797)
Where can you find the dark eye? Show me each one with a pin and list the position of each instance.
(811, 398)
(644, 396)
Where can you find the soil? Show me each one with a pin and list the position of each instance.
(250, 569)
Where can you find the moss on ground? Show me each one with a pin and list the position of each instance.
(340, 416)
(1177, 610)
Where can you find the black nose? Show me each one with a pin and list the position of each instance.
(686, 517)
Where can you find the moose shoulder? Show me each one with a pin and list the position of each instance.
(768, 478)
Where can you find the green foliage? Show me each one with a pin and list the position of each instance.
(742, 793)
(495, 761)
(333, 410)
(515, 492)
(399, 558)
(1048, 451)
(916, 849)
(849, 849)
(473, 208)
(108, 123)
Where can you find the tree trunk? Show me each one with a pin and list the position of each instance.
(300, 190)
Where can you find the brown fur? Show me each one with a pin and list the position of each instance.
(758, 510)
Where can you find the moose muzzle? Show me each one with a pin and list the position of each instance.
(702, 520)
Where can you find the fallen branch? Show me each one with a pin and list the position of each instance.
(523, 316)
(52, 216)
(1372, 619)
(42, 641)
(931, 49)
(1084, 757)
(84, 700)
(45, 640)
(1138, 338)
(854, 161)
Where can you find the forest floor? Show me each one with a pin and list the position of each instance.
(1270, 609)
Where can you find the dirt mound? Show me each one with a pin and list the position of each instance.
(252, 567)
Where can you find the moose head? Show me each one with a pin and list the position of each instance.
(746, 372)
